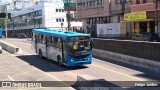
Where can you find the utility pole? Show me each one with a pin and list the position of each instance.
(12, 18)
(68, 17)
(6, 18)
(68, 12)
(156, 16)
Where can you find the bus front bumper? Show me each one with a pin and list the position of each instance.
(78, 63)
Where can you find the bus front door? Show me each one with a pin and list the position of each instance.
(64, 50)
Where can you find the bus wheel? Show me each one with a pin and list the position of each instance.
(59, 60)
(40, 54)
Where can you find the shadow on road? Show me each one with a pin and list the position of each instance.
(47, 65)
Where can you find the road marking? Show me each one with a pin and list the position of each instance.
(47, 74)
(10, 77)
(6, 61)
(42, 78)
(53, 77)
(37, 69)
(7, 72)
(19, 74)
(11, 62)
(13, 67)
(98, 67)
(135, 78)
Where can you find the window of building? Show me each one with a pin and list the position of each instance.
(62, 10)
(129, 0)
(144, 1)
(62, 20)
(56, 10)
(118, 1)
(59, 10)
(57, 20)
(138, 1)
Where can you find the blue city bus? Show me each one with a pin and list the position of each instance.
(65, 47)
(1, 34)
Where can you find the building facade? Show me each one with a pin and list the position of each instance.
(41, 15)
(146, 24)
(94, 13)
(117, 10)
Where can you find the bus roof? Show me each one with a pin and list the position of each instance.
(58, 33)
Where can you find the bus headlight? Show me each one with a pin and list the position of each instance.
(71, 60)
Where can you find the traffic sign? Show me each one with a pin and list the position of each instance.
(69, 6)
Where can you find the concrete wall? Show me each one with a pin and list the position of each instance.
(146, 50)
(9, 47)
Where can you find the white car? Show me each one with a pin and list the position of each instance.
(0, 49)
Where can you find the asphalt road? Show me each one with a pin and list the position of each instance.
(27, 66)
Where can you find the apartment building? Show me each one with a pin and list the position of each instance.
(92, 12)
(102, 16)
(145, 20)
(42, 15)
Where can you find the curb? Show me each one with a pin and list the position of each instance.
(139, 62)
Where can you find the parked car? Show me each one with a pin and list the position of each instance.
(21, 35)
(0, 49)
(146, 37)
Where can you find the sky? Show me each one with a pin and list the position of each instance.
(6, 1)
(11, 0)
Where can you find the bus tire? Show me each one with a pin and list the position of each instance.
(59, 60)
(40, 54)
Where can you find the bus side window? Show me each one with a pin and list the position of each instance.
(64, 44)
(55, 41)
(39, 38)
(51, 41)
(43, 39)
(59, 43)
(48, 39)
(33, 36)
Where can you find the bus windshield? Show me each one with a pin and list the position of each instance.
(1, 32)
(79, 47)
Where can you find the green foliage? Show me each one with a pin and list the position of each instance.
(2, 21)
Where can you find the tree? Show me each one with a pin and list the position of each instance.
(2, 22)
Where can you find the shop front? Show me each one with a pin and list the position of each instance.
(142, 22)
